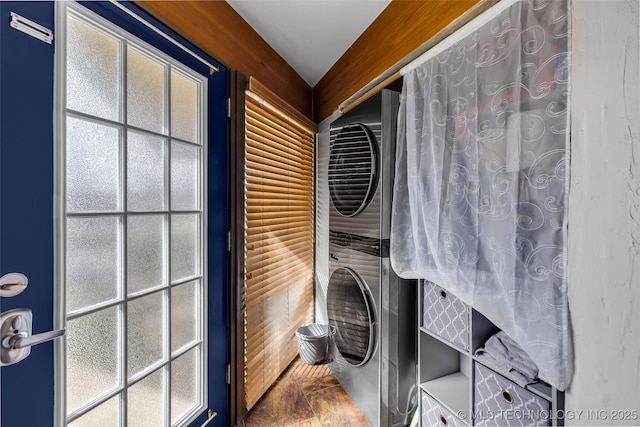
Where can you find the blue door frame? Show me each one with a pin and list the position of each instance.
(27, 191)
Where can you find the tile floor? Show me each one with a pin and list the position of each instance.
(305, 396)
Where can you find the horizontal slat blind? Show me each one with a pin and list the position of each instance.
(278, 241)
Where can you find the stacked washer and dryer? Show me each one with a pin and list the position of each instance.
(373, 353)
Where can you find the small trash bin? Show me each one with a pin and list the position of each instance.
(313, 342)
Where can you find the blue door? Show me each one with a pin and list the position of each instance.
(49, 210)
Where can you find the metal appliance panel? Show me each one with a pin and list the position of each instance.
(360, 382)
(384, 387)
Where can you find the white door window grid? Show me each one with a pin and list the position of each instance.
(130, 158)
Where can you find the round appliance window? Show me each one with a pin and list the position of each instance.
(353, 169)
(350, 310)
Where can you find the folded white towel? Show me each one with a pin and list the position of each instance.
(505, 356)
(505, 348)
(503, 369)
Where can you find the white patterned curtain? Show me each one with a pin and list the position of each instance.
(479, 202)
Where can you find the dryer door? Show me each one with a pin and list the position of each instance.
(351, 311)
(353, 169)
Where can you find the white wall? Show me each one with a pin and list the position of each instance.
(604, 211)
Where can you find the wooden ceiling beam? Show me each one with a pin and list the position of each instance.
(216, 28)
(401, 28)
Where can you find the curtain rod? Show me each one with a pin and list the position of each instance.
(470, 27)
(369, 93)
(212, 68)
(393, 73)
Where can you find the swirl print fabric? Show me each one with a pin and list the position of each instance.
(479, 204)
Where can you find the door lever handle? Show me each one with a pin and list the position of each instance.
(22, 340)
(15, 335)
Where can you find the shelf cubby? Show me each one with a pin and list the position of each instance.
(447, 372)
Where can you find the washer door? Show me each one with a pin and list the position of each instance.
(353, 169)
(351, 311)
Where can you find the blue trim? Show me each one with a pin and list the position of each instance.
(218, 255)
(26, 203)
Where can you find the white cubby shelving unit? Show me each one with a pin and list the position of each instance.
(458, 390)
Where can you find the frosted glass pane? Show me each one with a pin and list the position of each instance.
(93, 268)
(184, 314)
(184, 108)
(145, 92)
(105, 415)
(145, 320)
(145, 172)
(93, 77)
(185, 167)
(92, 357)
(184, 384)
(146, 403)
(93, 166)
(185, 244)
(145, 252)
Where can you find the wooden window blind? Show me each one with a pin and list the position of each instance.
(279, 214)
